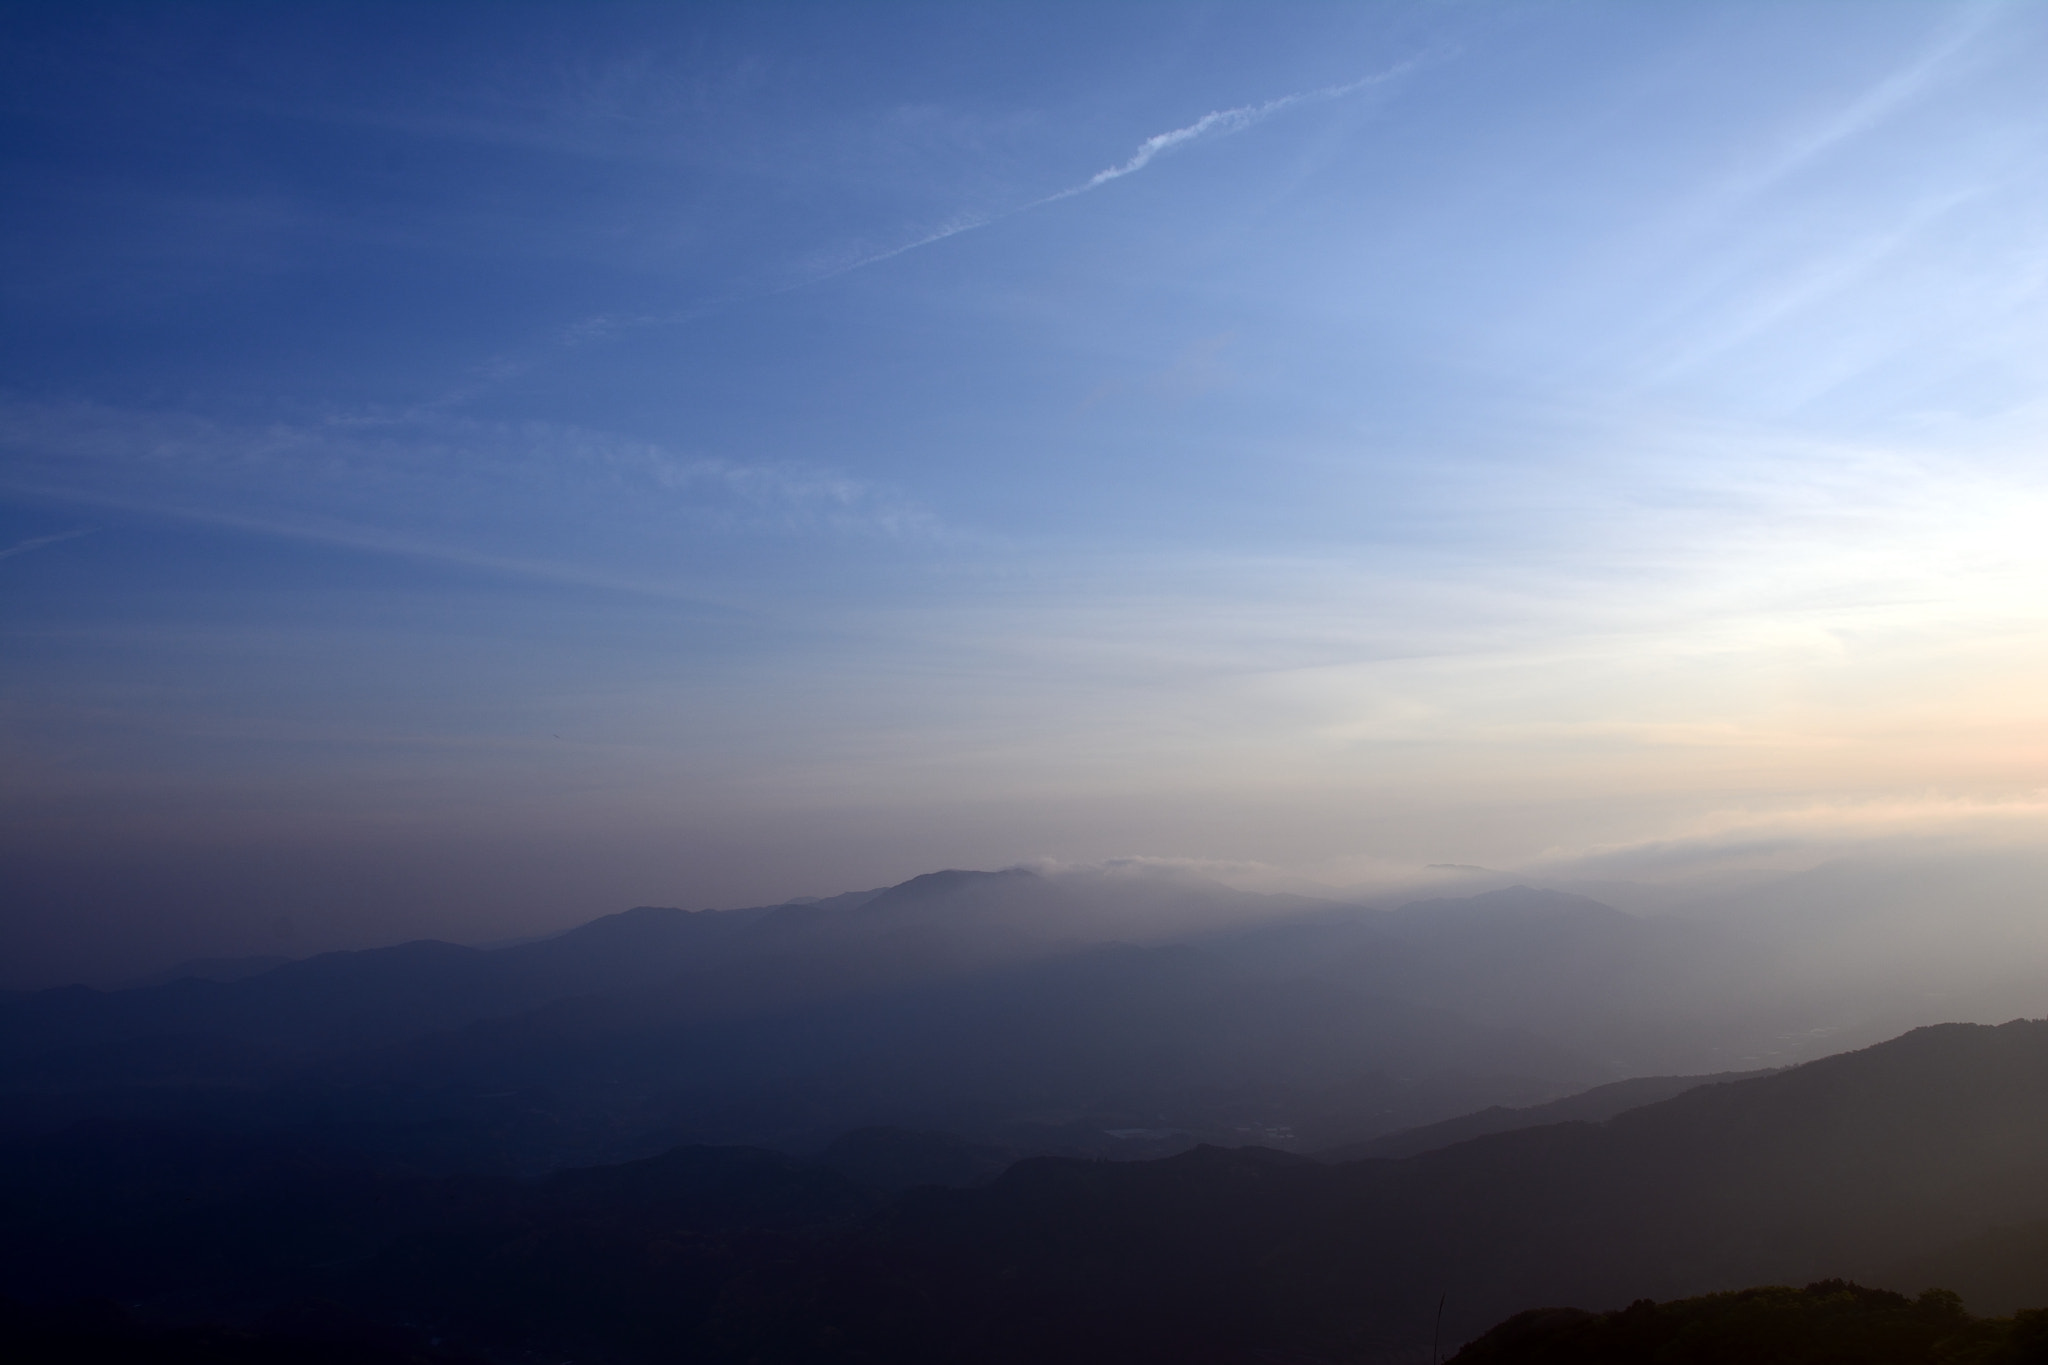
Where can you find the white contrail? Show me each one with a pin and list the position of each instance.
(1217, 123)
(965, 223)
(1220, 122)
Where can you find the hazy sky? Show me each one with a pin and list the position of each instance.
(464, 469)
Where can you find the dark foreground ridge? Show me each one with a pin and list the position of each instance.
(1909, 1154)
(1825, 1323)
(97, 1332)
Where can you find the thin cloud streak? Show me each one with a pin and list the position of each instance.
(372, 460)
(1223, 122)
(402, 547)
(1880, 102)
(1216, 123)
(199, 472)
(22, 547)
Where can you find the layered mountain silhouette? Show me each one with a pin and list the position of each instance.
(1123, 1015)
(220, 1016)
(1841, 1167)
(1934, 1144)
(1596, 1105)
(991, 1116)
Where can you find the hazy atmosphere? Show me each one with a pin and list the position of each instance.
(471, 468)
(975, 684)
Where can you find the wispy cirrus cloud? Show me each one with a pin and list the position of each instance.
(1884, 99)
(22, 547)
(615, 511)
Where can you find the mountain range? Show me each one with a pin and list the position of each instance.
(992, 1116)
(1117, 1015)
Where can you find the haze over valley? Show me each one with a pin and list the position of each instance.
(1197, 683)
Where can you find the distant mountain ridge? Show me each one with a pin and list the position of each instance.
(937, 922)
(1110, 1012)
(1286, 1013)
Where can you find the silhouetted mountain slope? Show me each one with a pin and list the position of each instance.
(1822, 1324)
(221, 969)
(1136, 1036)
(708, 1188)
(983, 1003)
(708, 962)
(1641, 995)
(1841, 1167)
(892, 1160)
(208, 1227)
(1998, 1271)
(100, 1333)
(244, 1029)
(1597, 1105)
(193, 1029)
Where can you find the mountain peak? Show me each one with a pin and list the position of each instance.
(955, 894)
(953, 880)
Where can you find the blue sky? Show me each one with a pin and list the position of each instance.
(468, 468)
